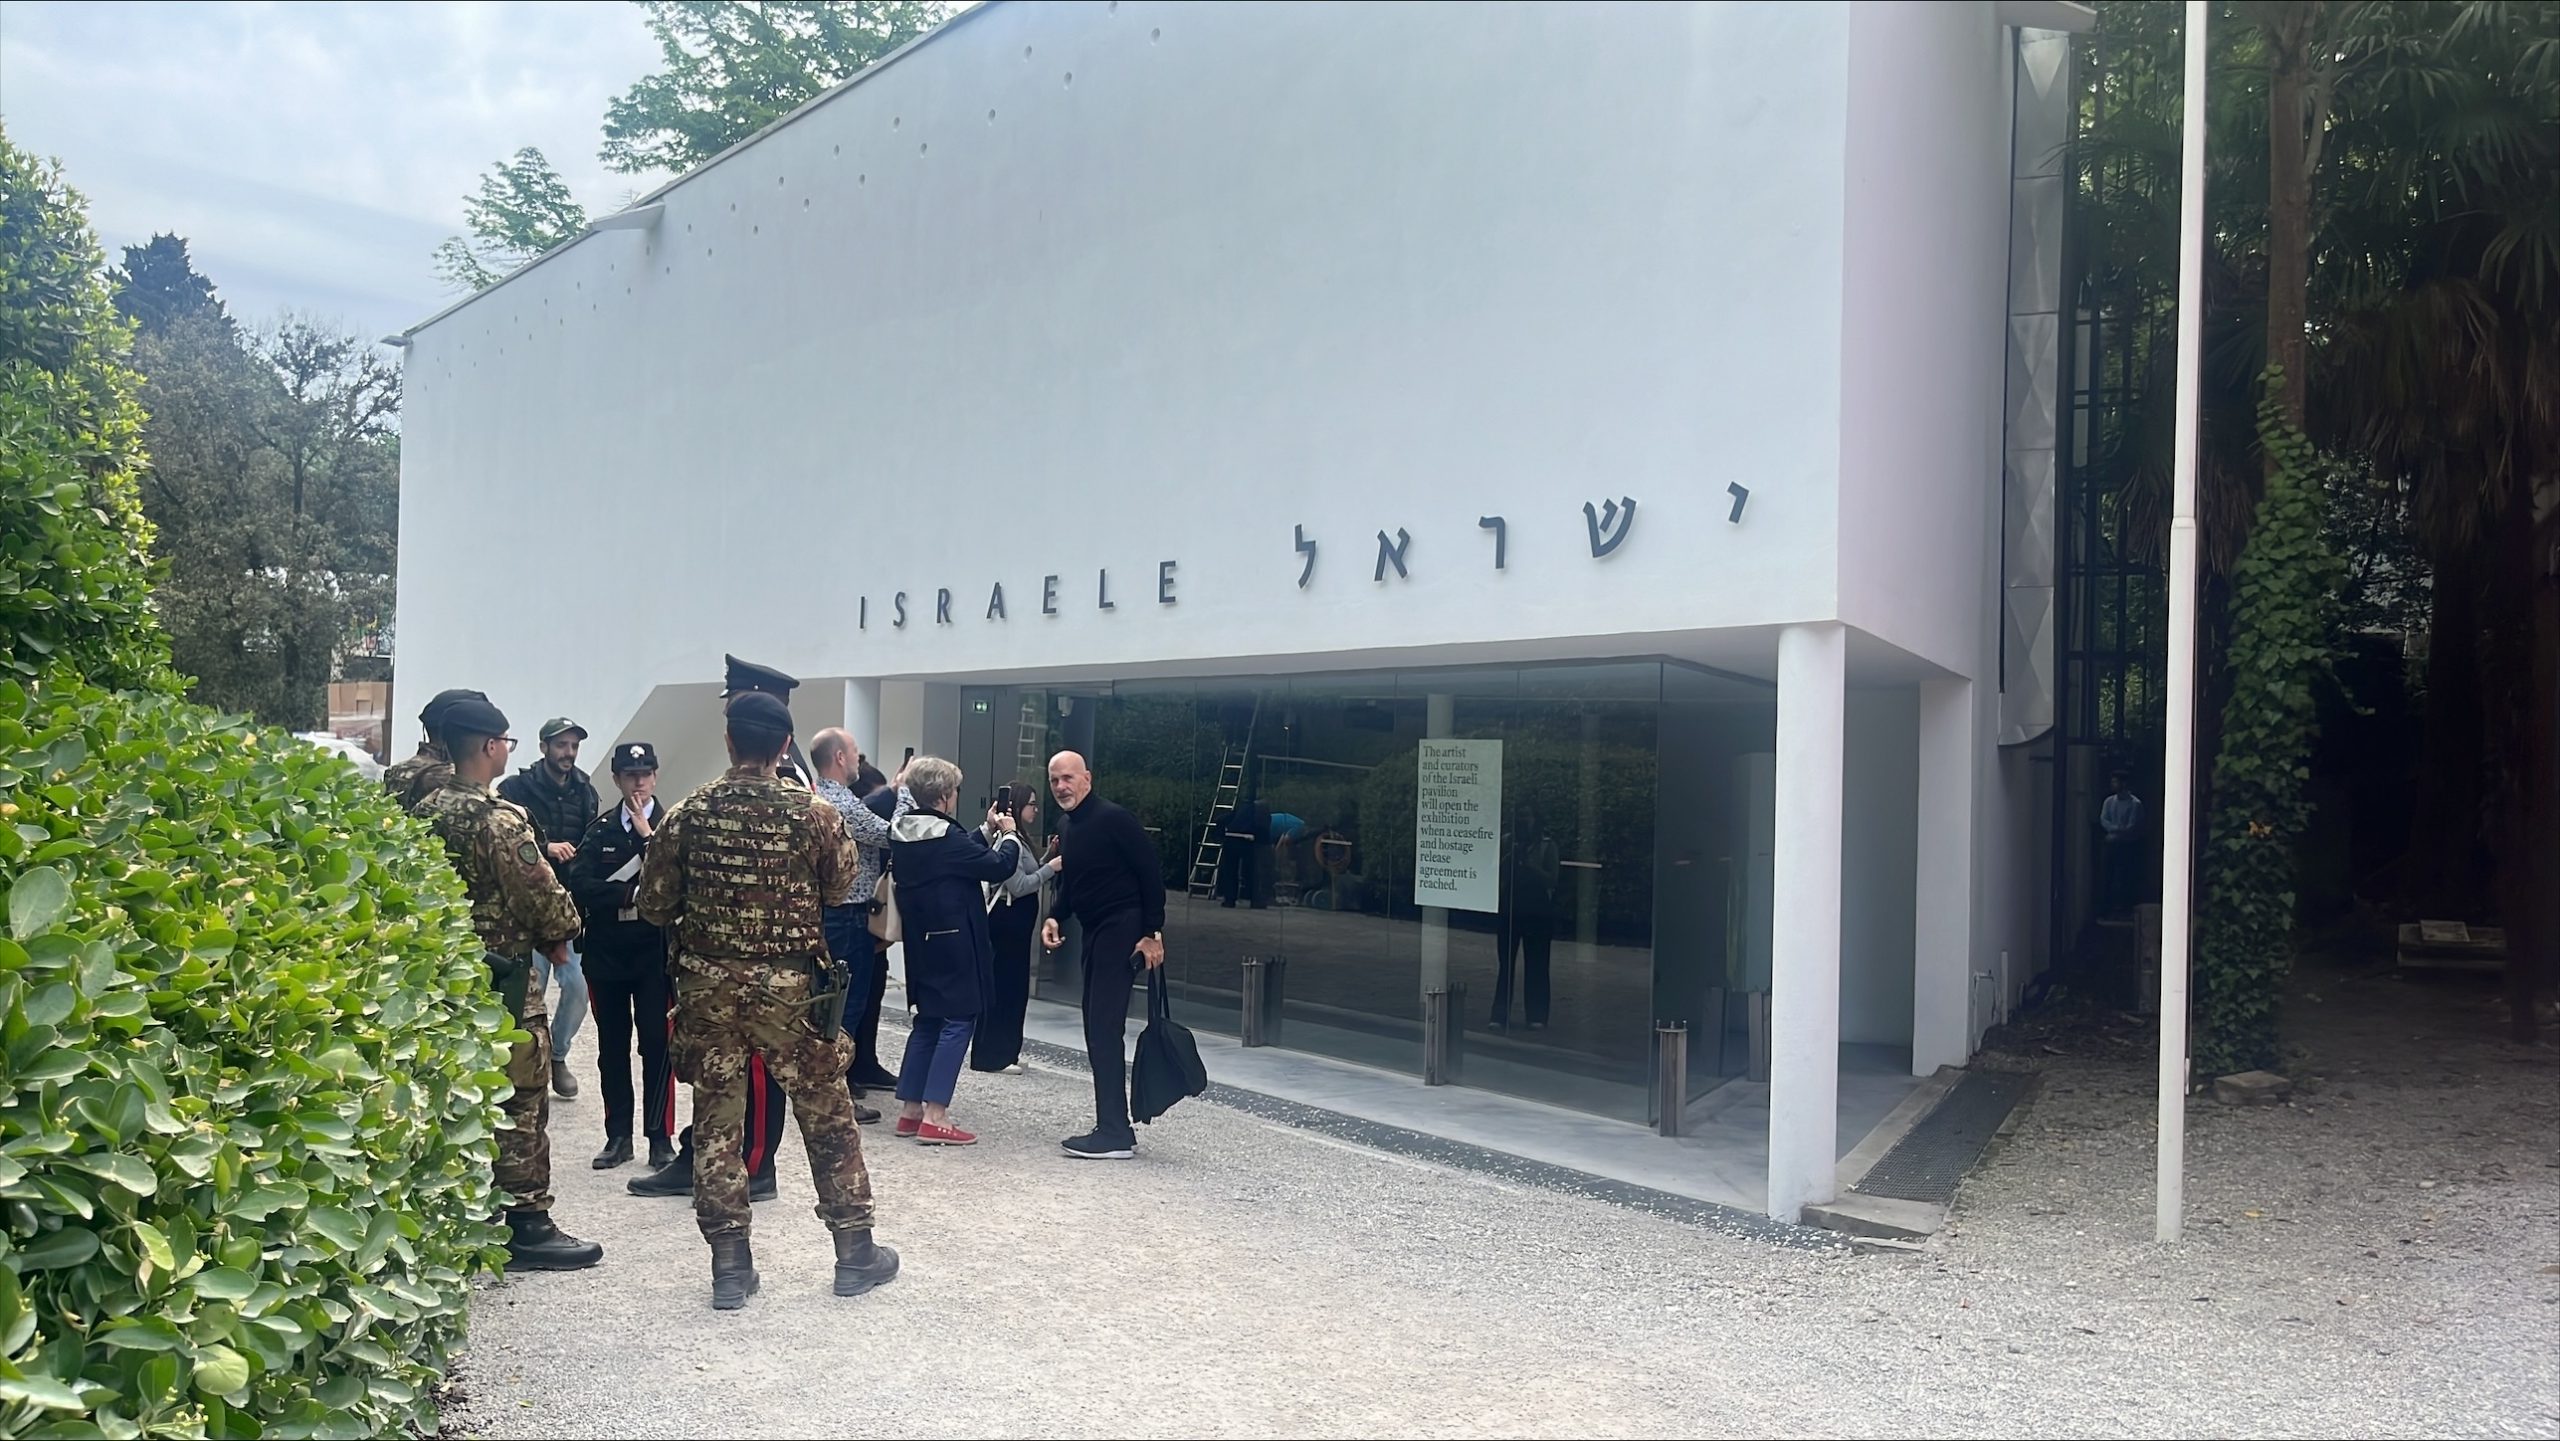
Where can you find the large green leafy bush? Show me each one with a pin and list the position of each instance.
(75, 549)
(250, 1068)
(250, 1065)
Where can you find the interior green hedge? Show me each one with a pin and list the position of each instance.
(250, 1071)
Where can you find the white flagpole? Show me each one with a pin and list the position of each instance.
(2177, 798)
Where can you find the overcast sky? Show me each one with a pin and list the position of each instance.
(313, 155)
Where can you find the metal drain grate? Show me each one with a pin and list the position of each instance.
(1926, 1164)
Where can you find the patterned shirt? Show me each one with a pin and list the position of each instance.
(743, 869)
(420, 776)
(517, 904)
(869, 832)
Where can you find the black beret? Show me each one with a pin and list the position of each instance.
(755, 710)
(634, 756)
(746, 676)
(471, 716)
(432, 716)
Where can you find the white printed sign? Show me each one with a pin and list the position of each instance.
(1457, 825)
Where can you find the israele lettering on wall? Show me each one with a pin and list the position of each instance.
(1607, 526)
(1606, 523)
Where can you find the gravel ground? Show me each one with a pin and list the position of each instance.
(2381, 1259)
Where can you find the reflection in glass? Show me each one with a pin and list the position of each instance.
(1284, 814)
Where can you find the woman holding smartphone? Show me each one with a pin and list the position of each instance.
(942, 870)
(1013, 916)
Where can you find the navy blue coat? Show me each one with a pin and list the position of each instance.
(943, 870)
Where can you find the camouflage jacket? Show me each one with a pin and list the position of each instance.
(420, 776)
(742, 869)
(517, 904)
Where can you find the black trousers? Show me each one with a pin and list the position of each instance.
(1240, 872)
(1532, 939)
(866, 1036)
(628, 992)
(1111, 967)
(998, 1042)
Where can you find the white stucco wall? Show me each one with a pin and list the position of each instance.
(1924, 299)
(1071, 288)
(1925, 265)
(1255, 266)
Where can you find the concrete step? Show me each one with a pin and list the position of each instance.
(1878, 1216)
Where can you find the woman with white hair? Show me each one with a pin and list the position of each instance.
(943, 869)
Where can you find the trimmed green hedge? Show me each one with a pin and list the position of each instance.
(250, 1071)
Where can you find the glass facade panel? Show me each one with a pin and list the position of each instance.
(1285, 813)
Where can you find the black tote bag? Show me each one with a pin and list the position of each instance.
(1167, 1067)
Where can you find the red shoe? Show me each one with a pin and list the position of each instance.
(933, 1135)
(907, 1124)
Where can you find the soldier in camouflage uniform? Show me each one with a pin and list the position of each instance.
(427, 772)
(739, 875)
(518, 907)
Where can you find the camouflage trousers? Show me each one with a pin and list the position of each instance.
(524, 1148)
(728, 1010)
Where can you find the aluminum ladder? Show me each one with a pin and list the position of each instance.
(1222, 804)
(1031, 741)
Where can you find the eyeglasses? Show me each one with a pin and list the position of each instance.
(508, 741)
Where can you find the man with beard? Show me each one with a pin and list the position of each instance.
(561, 801)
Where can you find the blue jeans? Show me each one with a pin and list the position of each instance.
(935, 1049)
(571, 1013)
(849, 940)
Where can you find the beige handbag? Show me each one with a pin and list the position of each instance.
(884, 912)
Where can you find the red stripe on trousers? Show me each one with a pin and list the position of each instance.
(667, 1127)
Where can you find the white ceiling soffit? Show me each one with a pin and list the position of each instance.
(2047, 15)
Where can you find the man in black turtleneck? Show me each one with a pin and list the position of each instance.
(1110, 880)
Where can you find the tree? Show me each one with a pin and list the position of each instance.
(75, 548)
(159, 286)
(2443, 364)
(524, 209)
(2302, 72)
(275, 481)
(250, 1034)
(2380, 221)
(732, 67)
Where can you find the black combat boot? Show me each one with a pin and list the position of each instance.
(733, 1273)
(861, 1265)
(534, 1244)
(672, 1179)
(661, 1151)
(616, 1152)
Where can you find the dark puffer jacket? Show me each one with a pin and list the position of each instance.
(561, 810)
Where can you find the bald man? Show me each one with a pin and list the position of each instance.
(1111, 880)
